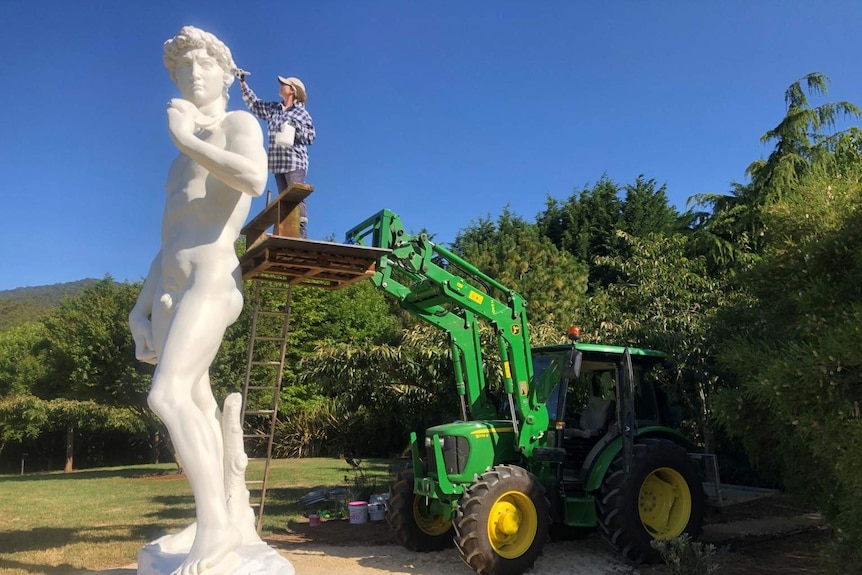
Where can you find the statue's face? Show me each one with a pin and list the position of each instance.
(199, 77)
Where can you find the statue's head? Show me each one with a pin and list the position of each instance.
(196, 52)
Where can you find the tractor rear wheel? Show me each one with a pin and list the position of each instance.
(662, 499)
(416, 528)
(501, 524)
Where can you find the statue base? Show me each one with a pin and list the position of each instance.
(249, 559)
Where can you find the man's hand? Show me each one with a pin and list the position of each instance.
(142, 332)
(181, 119)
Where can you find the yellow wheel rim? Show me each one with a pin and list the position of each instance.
(664, 503)
(431, 524)
(512, 524)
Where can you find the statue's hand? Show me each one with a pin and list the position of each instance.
(181, 119)
(142, 332)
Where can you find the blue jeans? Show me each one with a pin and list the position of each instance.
(282, 181)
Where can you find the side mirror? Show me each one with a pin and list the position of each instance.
(573, 371)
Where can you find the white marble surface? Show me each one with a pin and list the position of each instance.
(192, 294)
(248, 559)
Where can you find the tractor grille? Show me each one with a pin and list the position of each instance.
(456, 451)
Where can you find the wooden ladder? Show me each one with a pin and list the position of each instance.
(276, 259)
(264, 371)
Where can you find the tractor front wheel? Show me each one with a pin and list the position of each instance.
(501, 524)
(415, 526)
(661, 498)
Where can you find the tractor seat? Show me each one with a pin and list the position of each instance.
(593, 419)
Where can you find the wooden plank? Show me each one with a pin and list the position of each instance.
(281, 214)
(297, 261)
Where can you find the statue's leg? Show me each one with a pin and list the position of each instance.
(203, 397)
(189, 348)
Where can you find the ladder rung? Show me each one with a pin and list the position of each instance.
(260, 412)
(273, 387)
(255, 436)
(254, 482)
(271, 313)
(266, 363)
(269, 338)
(274, 287)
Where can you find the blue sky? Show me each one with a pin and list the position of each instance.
(442, 111)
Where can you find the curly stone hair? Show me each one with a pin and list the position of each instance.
(190, 38)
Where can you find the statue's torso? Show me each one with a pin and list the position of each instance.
(202, 220)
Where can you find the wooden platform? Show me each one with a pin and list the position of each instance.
(281, 215)
(297, 261)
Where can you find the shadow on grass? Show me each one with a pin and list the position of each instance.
(43, 538)
(137, 472)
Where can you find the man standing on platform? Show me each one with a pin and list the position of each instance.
(291, 131)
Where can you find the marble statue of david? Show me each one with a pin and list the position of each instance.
(193, 292)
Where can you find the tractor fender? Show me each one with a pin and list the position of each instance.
(602, 455)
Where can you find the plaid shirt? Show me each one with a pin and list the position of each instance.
(283, 159)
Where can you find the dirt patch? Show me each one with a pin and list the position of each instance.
(338, 532)
(770, 536)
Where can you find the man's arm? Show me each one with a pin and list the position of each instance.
(305, 132)
(241, 164)
(256, 106)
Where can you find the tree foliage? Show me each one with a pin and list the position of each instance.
(514, 253)
(664, 300)
(796, 404)
(586, 224)
(376, 394)
(805, 143)
(22, 362)
(91, 351)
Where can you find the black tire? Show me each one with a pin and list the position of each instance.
(501, 524)
(662, 499)
(414, 526)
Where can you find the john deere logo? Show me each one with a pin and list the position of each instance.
(516, 329)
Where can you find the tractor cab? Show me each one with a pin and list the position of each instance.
(585, 403)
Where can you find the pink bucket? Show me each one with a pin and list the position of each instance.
(358, 511)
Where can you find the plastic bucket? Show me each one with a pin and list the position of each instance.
(358, 511)
(376, 511)
(314, 520)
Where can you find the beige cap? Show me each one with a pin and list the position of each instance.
(297, 85)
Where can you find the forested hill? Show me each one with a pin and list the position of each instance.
(22, 305)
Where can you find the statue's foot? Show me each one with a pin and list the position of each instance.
(179, 542)
(211, 546)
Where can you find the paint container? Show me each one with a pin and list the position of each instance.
(358, 512)
(376, 511)
(314, 520)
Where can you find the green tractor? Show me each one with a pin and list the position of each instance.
(576, 441)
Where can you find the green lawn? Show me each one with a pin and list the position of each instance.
(57, 523)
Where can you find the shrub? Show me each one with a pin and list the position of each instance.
(686, 557)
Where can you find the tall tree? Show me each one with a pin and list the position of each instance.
(793, 353)
(91, 356)
(586, 224)
(664, 300)
(646, 210)
(804, 141)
